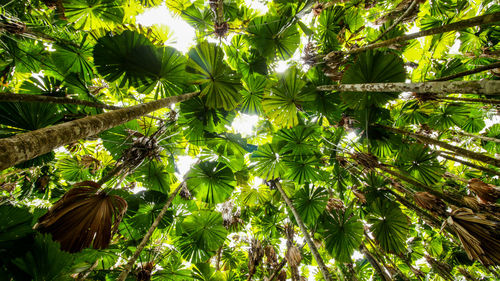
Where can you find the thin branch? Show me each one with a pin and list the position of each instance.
(397, 21)
(469, 72)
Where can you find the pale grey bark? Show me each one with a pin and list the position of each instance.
(307, 237)
(459, 25)
(467, 163)
(22, 147)
(486, 87)
(128, 267)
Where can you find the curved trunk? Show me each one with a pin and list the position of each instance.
(485, 87)
(375, 263)
(10, 97)
(467, 163)
(22, 147)
(469, 72)
(128, 267)
(307, 237)
(458, 150)
(484, 101)
(459, 25)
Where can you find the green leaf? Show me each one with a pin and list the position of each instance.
(282, 102)
(203, 233)
(420, 163)
(93, 14)
(343, 234)
(274, 36)
(268, 164)
(156, 176)
(372, 67)
(45, 261)
(219, 83)
(310, 203)
(389, 225)
(211, 182)
(254, 87)
(15, 223)
(133, 60)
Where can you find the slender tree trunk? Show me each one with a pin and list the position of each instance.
(467, 163)
(458, 150)
(434, 222)
(485, 87)
(480, 137)
(483, 101)
(469, 72)
(22, 147)
(278, 269)
(459, 25)
(447, 197)
(397, 21)
(307, 237)
(144, 241)
(10, 97)
(375, 263)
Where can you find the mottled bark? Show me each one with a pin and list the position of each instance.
(458, 150)
(10, 97)
(459, 25)
(374, 263)
(485, 87)
(467, 163)
(307, 237)
(22, 147)
(483, 101)
(128, 267)
(469, 72)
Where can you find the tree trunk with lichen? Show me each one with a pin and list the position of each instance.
(307, 237)
(22, 147)
(485, 87)
(459, 25)
(458, 150)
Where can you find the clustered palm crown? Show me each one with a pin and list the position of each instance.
(375, 154)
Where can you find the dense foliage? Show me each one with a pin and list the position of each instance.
(350, 185)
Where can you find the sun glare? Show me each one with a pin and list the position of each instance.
(183, 33)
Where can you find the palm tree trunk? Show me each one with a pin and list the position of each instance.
(469, 72)
(447, 197)
(480, 137)
(375, 263)
(128, 267)
(10, 97)
(22, 147)
(483, 101)
(397, 21)
(467, 163)
(458, 150)
(307, 237)
(485, 87)
(459, 25)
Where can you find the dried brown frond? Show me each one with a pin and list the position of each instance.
(144, 274)
(441, 268)
(90, 163)
(8, 186)
(335, 204)
(42, 182)
(366, 160)
(425, 97)
(271, 256)
(231, 216)
(255, 255)
(310, 54)
(318, 8)
(185, 193)
(220, 29)
(479, 234)
(488, 193)
(472, 203)
(84, 216)
(334, 61)
(468, 276)
(430, 202)
(282, 276)
(360, 195)
(293, 256)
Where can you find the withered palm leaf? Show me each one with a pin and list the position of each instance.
(478, 233)
(84, 216)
